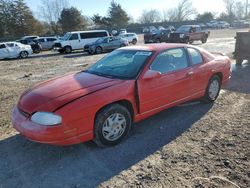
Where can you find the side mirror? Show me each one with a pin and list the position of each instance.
(150, 74)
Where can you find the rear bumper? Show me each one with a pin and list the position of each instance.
(60, 135)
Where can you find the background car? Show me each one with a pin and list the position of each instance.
(46, 43)
(131, 37)
(76, 40)
(14, 50)
(105, 44)
(36, 47)
(157, 36)
(123, 31)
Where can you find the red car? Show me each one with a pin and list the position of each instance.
(126, 86)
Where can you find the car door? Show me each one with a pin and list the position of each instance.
(43, 43)
(4, 52)
(173, 84)
(199, 33)
(50, 42)
(115, 43)
(75, 41)
(200, 73)
(13, 50)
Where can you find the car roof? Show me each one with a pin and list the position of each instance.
(88, 31)
(46, 37)
(156, 47)
(191, 25)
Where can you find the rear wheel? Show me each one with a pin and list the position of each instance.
(213, 89)
(134, 41)
(24, 54)
(112, 125)
(98, 50)
(186, 40)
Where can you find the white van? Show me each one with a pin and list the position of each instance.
(77, 40)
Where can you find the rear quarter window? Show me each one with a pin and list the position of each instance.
(195, 56)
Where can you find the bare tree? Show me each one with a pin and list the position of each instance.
(50, 12)
(150, 16)
(230, 10)
(239, 6)
(183, 11)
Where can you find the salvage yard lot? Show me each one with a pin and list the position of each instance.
(178, 147)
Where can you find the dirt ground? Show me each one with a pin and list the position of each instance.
(192, 145)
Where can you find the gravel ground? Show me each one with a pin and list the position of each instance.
(192, 145)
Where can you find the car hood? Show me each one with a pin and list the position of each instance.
(53, 94)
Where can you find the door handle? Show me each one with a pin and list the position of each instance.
(190, 74)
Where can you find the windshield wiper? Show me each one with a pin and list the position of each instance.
(99, 74)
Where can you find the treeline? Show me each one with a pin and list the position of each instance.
(57, 17)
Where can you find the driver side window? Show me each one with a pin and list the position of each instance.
(170, 60)
(74, 37)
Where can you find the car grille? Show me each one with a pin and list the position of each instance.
(58, 45)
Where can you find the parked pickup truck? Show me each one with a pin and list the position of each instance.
(189, 34)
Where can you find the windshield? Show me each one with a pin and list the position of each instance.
(66, 36)
(183, 29)
(124, 64)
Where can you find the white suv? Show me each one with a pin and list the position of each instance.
(14, 50)
(131, 37)
(77, 40)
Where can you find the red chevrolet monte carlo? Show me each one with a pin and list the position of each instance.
(126, 86)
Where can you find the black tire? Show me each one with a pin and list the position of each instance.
(101, 121)
(204, 40)
(36, 50)
(68, 49)
(23, 54)
(98, 50)
(134, 41)
(186, 40)
(208, 98)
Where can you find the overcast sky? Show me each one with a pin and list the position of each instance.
(134, 7)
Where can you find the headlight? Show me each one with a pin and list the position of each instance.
(182, 35)
(46, 118)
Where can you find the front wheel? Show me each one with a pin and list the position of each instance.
(24, 54)
(98, 50)
(68, 49)
(213, 89)
(204, 40)
(112, 125)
